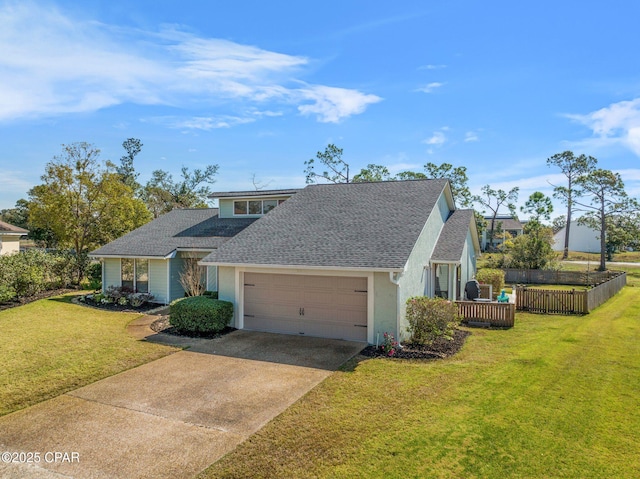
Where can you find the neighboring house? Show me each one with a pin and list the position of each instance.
(340, 261)
(503, 223)
(10, 238)
(152, 257)
(581, 238)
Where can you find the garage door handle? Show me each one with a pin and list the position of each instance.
(360, 291)
(249, 316)
(249, 284)
(360, 325)
(301, 312)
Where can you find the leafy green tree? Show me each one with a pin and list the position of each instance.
(162, 193)
(607, 198)
(538, 206)
(83, 202)
(458, 179)
(494, 200)
(572, 167)
(337, 169)
(126, 170)
(533, 249)
(623, 231)
(411, 175)
(558, 223)
(373, 173)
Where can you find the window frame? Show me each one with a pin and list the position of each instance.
(247, 206)
(134, 273)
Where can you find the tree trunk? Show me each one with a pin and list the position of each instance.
(565, 253)
(603, 240)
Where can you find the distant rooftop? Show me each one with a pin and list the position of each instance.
(245, 194)
(6, 228)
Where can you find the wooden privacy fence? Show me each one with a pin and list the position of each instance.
(543, 276)
(551, 301)
(495, 314)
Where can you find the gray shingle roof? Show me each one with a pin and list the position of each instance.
(453, 236)
(245, 194)
(188, 228)
(508, 222)
(6, 228)
(356, 225)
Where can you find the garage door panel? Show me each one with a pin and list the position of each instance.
(325, 306)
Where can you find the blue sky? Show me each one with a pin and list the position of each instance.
(260, 87)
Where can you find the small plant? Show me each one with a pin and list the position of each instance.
(430, 319)
(389, 345)
(138, 299)
(123, 301)
(98, 297)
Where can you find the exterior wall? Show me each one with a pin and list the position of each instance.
(415, 280)
(111, 273)
(227, 288)
(581, 238)
(226, 205)
(212, 278)
(158, 280)
(385, 307)
(175, 268)
(467, 264)
(9, 244)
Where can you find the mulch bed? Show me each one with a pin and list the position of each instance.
(162, 326)
(440, 349)
(36, 297)
(122, 309)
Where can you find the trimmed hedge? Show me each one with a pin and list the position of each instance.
(200, 315)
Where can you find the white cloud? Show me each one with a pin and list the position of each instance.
(619, 123)
(432, 67)
(54, 64)
(470, 136)
(331, 104)
(437, 139)
(431, 87)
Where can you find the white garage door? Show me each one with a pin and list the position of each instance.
(323, 306)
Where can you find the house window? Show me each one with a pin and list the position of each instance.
(142, 276)
(254, 207)
(135, 274)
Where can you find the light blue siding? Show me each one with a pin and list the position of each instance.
(111, 273)
(158, 280)
(227, 288)
(414, 280)
(212, 278)
(385, 306)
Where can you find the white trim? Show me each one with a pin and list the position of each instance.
(126, 256)
(103, 275)
(196, 250)
(246, 266)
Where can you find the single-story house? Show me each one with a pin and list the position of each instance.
(152, 257)
(341, 260)
(10, 238)
(504, 223)
(582, 238)
(336, 260)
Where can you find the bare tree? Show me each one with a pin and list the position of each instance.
(193, 276)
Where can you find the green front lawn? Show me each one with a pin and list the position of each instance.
(52, 346)
(556, 396)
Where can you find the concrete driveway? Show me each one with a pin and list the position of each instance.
(172, 417)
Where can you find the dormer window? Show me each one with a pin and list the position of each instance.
(254, 207)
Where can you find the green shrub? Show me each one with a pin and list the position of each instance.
(211, 294)
(94, 275)
(430, 319)
(6, 294)
(494, 277)
(200, 315)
